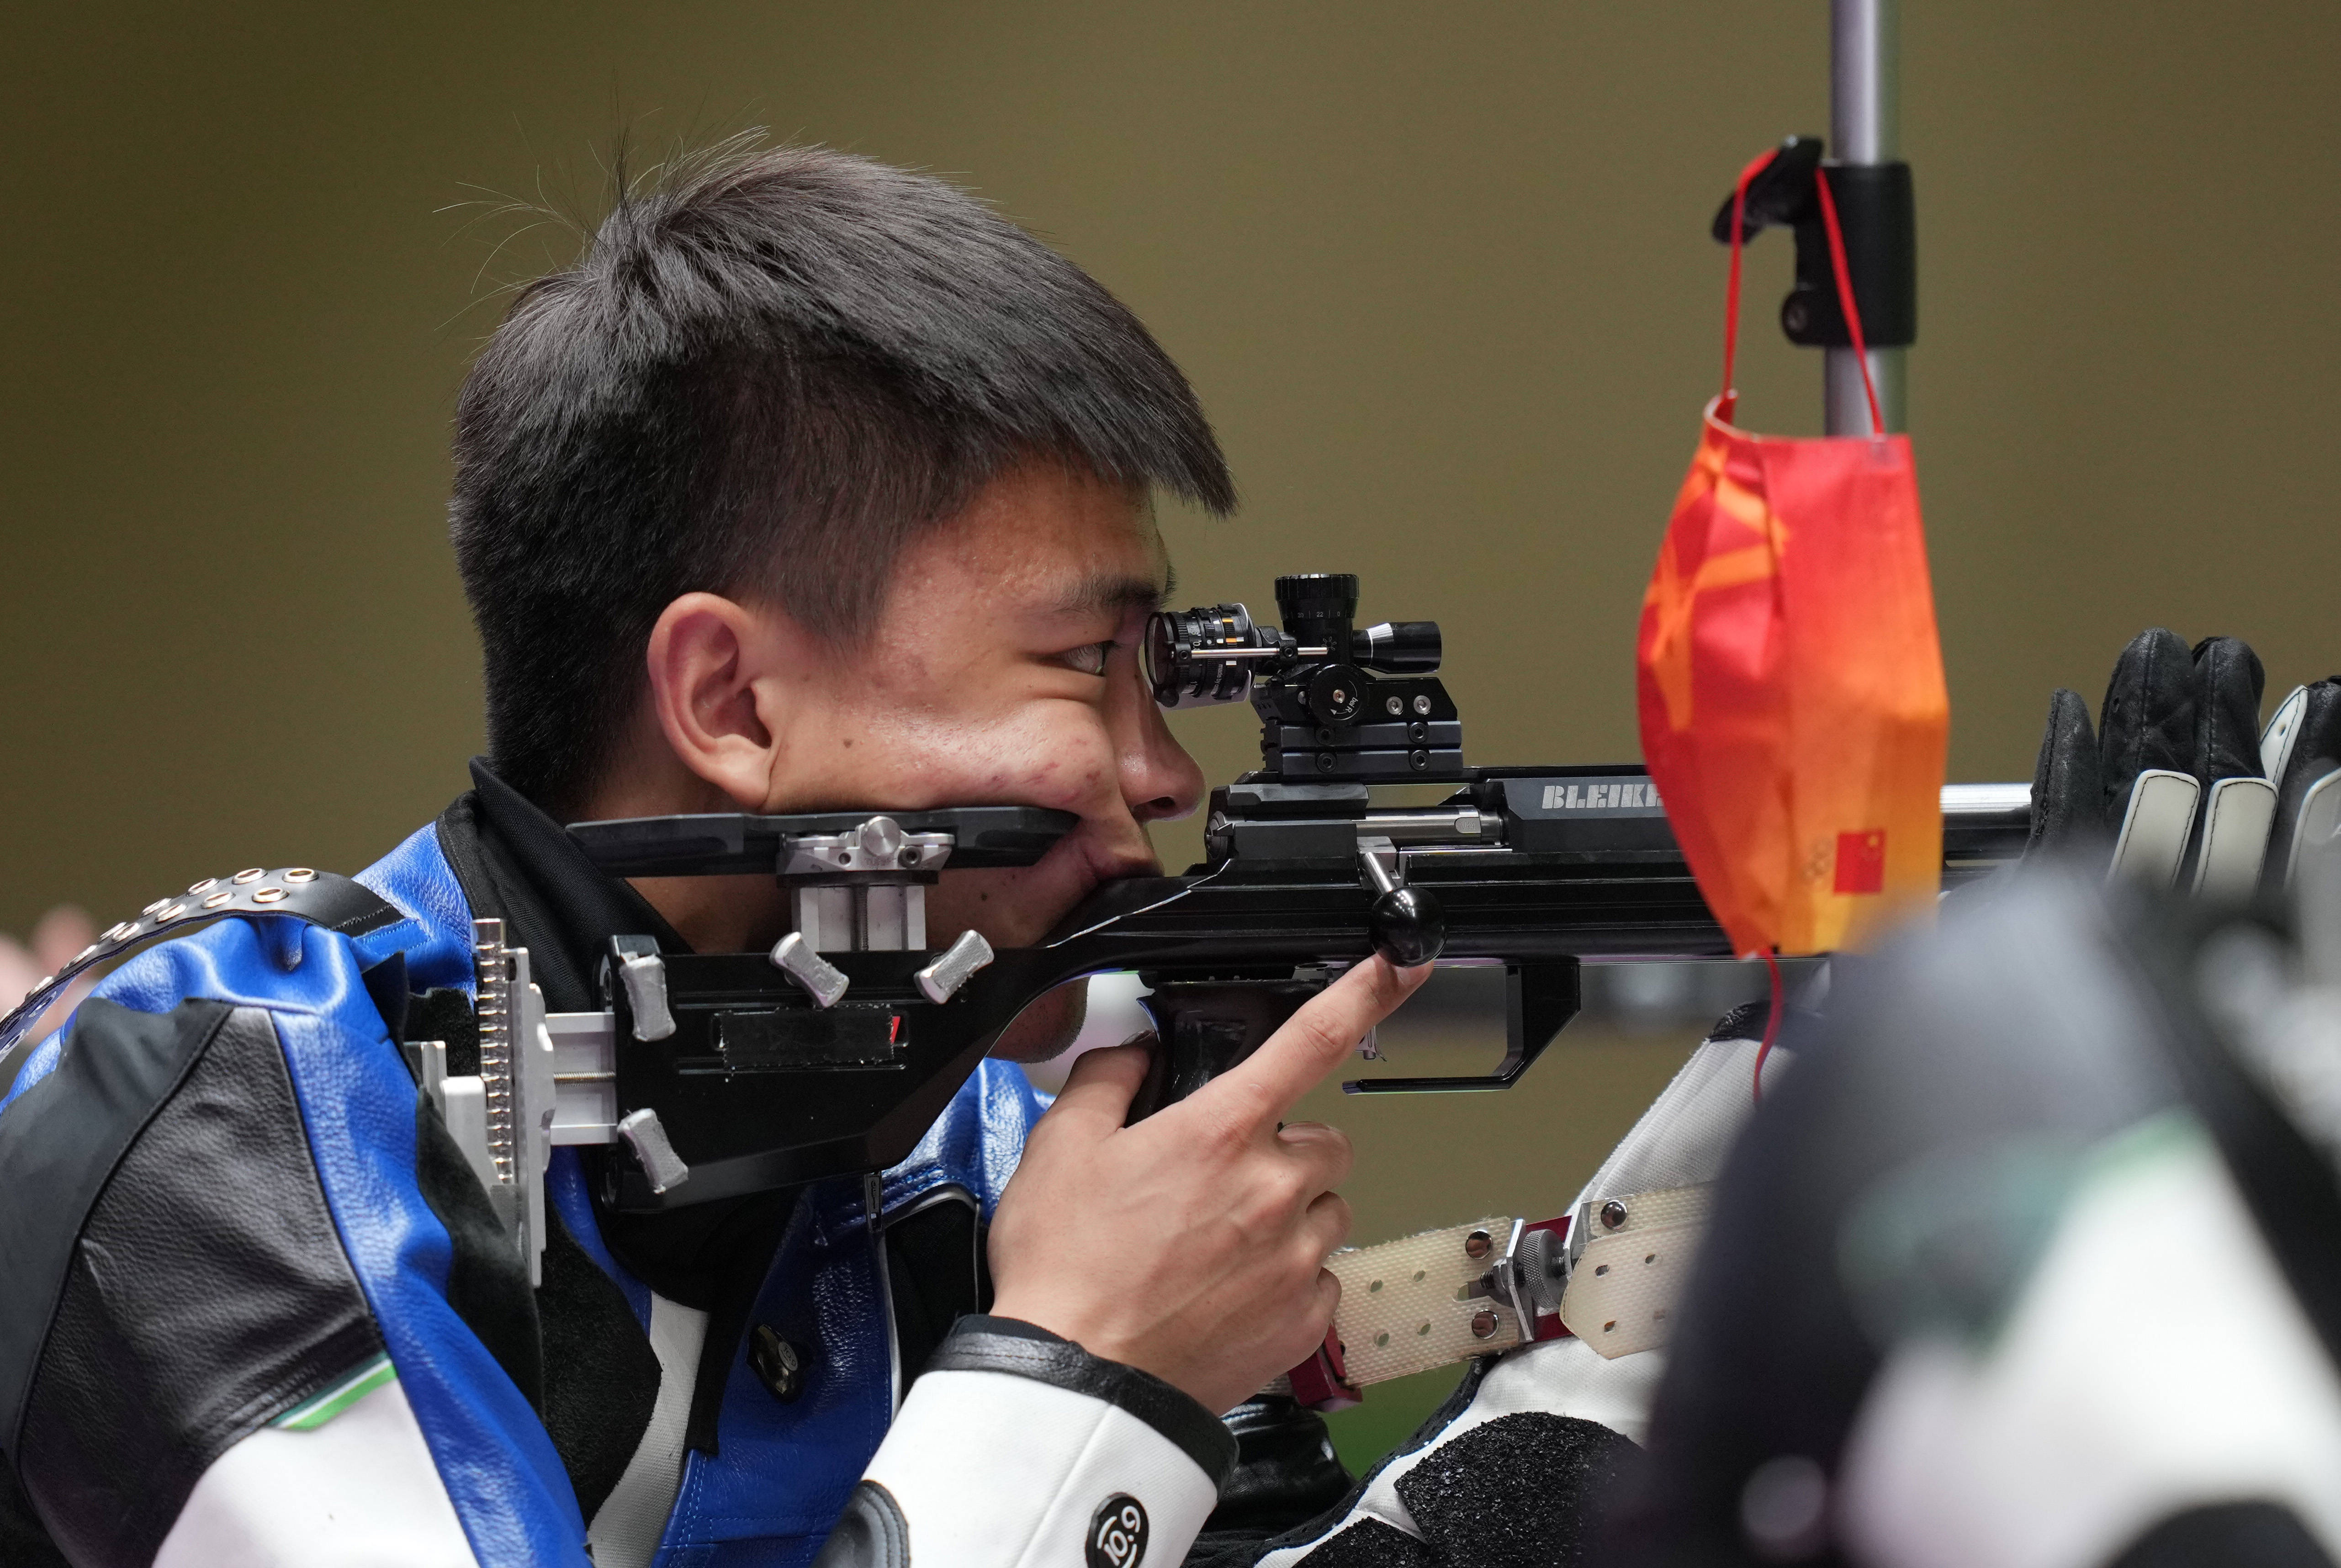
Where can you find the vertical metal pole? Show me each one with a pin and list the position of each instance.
(1865, 114)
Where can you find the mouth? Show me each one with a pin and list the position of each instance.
(1017, 907)
(1118, 863)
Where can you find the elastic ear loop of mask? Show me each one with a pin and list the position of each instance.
(1771, 1023)
(1728, 405)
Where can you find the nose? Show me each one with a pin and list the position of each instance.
(1159, 780)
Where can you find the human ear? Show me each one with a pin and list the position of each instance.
(710, 660)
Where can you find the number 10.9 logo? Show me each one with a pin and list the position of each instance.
(1116, 1537)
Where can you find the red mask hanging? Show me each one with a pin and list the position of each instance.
(1793, 709)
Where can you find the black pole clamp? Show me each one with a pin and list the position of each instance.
(1876, 212)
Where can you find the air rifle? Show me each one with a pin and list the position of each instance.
(721, 1074)
(716, 1074)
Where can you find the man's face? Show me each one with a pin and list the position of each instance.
(1004, 670)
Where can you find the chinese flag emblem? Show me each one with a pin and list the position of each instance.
(1861, 862)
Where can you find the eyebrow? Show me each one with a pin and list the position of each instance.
(1117, 591)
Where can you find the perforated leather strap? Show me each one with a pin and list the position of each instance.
(317, 897)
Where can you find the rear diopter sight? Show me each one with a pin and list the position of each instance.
(1336, 701)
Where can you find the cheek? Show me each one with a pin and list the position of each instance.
(1055, 754)
(1061, 759)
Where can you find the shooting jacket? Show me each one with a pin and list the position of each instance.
(257, 1309)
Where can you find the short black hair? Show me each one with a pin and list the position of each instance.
(767, 371)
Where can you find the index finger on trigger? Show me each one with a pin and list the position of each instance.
(1316, 1039)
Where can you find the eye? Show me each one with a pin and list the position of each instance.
(1089, 658)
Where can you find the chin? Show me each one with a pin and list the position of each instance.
(1047, 1026)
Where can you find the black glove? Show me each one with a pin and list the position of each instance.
(2169, 786)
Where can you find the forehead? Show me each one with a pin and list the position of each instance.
(1041, 540)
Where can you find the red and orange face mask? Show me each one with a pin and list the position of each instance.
(1793, 709)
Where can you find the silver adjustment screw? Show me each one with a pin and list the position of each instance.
(1422, 704)
(959, 961)
(881, 838)
(662, 1168)
(644, 978)
(824, 981)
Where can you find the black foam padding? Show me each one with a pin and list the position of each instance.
(1370, 1543)
(2315, 753)
(1519, 1491)
(2228, 682)
(600, 1375)
(2149, 719)
(487, 1280)
(2068, 794)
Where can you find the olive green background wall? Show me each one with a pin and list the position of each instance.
(1439, 272)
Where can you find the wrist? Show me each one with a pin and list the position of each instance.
(1058, 1320)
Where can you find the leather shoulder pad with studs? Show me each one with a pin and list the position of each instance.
(317, 897)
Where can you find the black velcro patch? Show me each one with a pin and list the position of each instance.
(1370, 1543)
(1522, 1490)
(445, 1014)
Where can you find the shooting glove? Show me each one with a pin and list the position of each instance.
(2171, 788)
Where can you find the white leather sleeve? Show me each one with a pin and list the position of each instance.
(1014, 1450)
(355, 1490)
